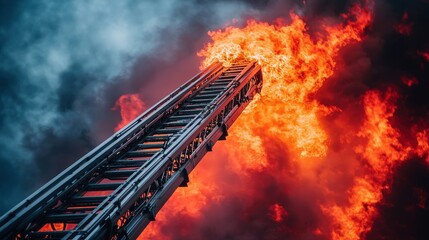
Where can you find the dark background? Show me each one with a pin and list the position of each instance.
(63, 64)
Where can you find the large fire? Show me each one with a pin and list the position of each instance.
(379, 154)
(284, 130)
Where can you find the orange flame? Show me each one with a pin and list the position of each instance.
(409, 80)
(277, 212)
(404, 27)
(422, 149)
(380, 154)
(130, 106)
(295, 66)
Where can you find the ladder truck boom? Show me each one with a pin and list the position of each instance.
(115, 190)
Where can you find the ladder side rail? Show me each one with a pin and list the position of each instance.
(110, 200)
(145, 177)
(142, 219)
(47, 195)
(197, 123)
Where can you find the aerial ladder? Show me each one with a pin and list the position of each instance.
(115, 190)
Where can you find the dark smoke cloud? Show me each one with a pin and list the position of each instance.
(404, 212)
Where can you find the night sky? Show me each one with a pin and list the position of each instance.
(63, 65)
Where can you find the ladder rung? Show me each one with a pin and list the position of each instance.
(181, 117)
(79, 209)
(211, 95)
(179, 123)
(192, 107)
(206, 96)
(141, 153)
(216, 91)
(167, 130)
(118, 173)
(85, 201)
(236, 71)
(226, 77)
(65, 217)
(216, 87)
(223, 80)
(198, 105)
(127, 163)
(149, 152)
(239, 64)
(223, 84)
(102, 186)
(189, 111)
(150, 145)
(157, 138)
(205, 101)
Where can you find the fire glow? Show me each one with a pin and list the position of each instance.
(286, 126)
(130, 106)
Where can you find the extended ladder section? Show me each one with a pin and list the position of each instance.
(115, 190)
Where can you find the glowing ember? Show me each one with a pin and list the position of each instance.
(277, 212)
(409, 81)
(130, 106)
(404, 27)
(422, 149)
(425, 55)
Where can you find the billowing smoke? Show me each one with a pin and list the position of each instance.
(65, 65)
